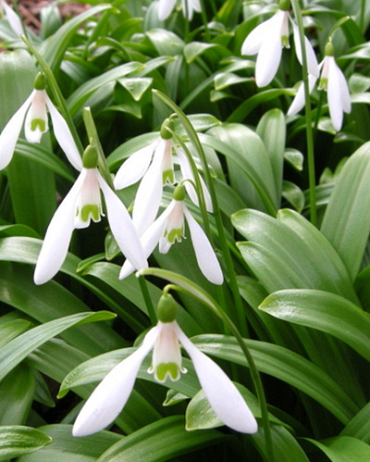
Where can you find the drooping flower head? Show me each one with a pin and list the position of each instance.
(267, 41)
(111, 395)
(169, 228)
(188, 8)
(81, 205)
(334, 83)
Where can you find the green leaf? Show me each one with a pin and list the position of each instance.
(17, 440)
(11, 329)
(18, 349)
(166, 42)
(359, 426)
(136, 86)
(346, 221)
(194, 49)
(295, 158)
(294, 195)
(226, 79)
(344, 449)
(324, 311)
(167, 439)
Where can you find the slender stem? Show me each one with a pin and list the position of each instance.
(148, 300)
(362, 16)
(205, 21)
(58, 96)
(94, 140)
(309, 133)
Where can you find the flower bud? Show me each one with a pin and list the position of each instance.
(179, 193)
(166, 309)
(165, 133)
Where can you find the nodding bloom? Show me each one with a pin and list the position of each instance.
(33, 114)
(267, 41)
(333, 81)
(153, 164)
(12, 18)
(81, 205)
(111, 395)
(188, 7)
(168, 228)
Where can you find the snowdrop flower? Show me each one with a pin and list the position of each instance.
(111, 395)
(154, 165)
(33, 114)
(169, 228)
(81, 205)
(333, 81)
(267, 41)
(188, 7)
(11, 16)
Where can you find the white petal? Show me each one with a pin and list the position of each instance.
(134, 168)
(335, 97)
(299, 99)
(221, 393)
(10, 134)
(187, 173)
(58, 235)
(312, 64)
(37, 110)
(13, 19)
(165, 8)
(111, 395)
(149, 194)
(149, 240)
(204, 252)
(269, 56)
(344, 90)
(122, 227)
(254, 40)
(64, 136)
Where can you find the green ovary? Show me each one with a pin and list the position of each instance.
(167, 369)
(38, 124)
(88, 211)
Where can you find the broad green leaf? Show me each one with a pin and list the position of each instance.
(65, 448)
(324, 311)
(294, 195)
(167, 439)
(346, 222)
(359, 426)
(285, 365)
(136, 86)
(226, 79)
(16, 440)
(11, 329)
(344, 449)
(18, 349)
(166, 42)
(194, 49)
(295, 158)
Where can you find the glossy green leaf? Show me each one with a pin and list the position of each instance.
(295, 158)
(194, 49)
(136, 86)
(226, 79)
(346, 222)
(324, 311)
(11, 329)
(18, 349)
(166, 42)
(359, 426)
(17, 440)
(344, 449)
(294, 195)
(167, 439)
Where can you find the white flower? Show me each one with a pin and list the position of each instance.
(81, 205)
(188, 7)
(154, 164)
(332, 80)
(12, 17)
(111, 395)
(267, 41)
(33, 114)
(169, 228)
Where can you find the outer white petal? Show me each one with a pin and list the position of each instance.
(149, 240)
(344, 90)
(165, 8)
(204, 252)
(122, 227)
(312, 64)
(13, 19)
(58, 235)
(335, 93)
(254, 40)
(10, 134)
(221, 393)
(111, 395)
(64, 136)
(187, 173)
(149, 194)
(269, 55)
(299, 99)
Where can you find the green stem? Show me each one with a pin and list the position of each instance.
(148, 300)
(309, 133)
(205, 21)
(58, 96)
(239, 308)
(362, 16)
(94, 140)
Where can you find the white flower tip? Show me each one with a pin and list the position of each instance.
(41, 276)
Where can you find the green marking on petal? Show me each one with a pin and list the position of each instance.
(285, 41)
(38, 124)
(89, 211)
(165, 370)
(174, 235)
(323, 84)
(168, 177)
